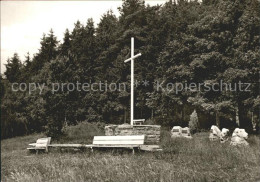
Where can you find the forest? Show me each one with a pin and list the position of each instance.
(181, 41)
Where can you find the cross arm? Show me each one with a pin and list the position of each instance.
(129, 59)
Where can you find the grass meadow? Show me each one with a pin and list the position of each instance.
(197, 159)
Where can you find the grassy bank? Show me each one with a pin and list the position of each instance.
(182, 160)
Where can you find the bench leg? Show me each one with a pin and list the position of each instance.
(91, 149)
(37, 151)
(133, 151)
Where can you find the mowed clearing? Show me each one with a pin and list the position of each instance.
(197, 159)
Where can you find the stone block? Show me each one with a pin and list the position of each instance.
(152, 132)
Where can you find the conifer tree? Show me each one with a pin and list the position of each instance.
(13, 69)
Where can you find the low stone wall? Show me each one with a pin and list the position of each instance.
(152, 132)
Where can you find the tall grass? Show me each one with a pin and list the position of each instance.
(197, 159)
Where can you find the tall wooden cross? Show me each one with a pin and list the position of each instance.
(132, 78)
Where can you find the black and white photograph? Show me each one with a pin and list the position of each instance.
(130, 91)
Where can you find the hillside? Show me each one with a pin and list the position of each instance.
(182, 160)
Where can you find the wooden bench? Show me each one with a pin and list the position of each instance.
(133, 142)
(139, 121)
(41, 144)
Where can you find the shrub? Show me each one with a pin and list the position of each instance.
(150, 122)
(194, 122)
(54, 128)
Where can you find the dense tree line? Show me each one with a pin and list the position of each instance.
(181, 42)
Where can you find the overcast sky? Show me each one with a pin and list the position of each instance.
(24, 22)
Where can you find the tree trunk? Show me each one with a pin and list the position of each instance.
(244, 121)
(183, 114)
(110, 116)
(217, 119)
(237, 117)
(253, 121)
(124, 115)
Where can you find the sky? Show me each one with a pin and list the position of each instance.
(24, 22)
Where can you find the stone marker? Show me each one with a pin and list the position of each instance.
(178, 131)
(239, 137)
(186, 132)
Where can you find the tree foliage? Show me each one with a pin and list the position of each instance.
(181, 42)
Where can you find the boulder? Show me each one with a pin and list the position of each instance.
(224, 135)
(215, 133)
(239, 137)
(224, 132)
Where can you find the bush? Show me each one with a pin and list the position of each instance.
(194, 122)
(82, 133)
(150, 122)
(54, 128)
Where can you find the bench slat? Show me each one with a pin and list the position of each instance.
(109, 138)
(67, 145)
(41, 145)
(140, 142)
(119, 140)
(33, 148)
(115, 146)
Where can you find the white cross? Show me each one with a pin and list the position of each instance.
(132, 78)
